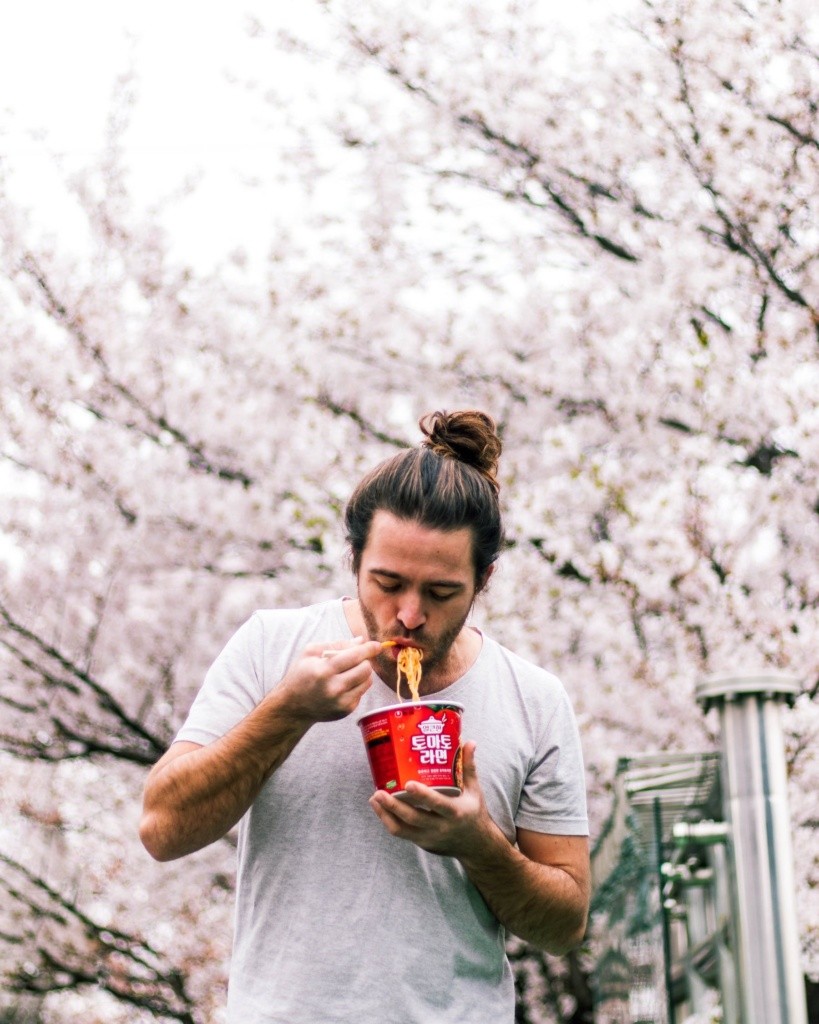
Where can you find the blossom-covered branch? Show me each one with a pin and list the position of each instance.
(66, 949)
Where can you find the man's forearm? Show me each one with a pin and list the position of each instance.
(541, 904)
(193, 799)
(195, 795)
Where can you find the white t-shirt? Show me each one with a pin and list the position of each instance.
(338, 922)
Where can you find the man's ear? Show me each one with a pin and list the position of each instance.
(482, 584)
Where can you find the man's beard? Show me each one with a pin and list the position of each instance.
(436, 648)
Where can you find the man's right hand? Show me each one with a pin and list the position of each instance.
(328, 681)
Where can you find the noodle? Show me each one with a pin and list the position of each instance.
(409, 664)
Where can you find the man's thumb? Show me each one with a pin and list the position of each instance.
(469, 767)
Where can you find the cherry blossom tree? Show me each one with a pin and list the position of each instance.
(613, 251)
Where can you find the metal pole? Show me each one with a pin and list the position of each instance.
(726, 934)
(756, 807)
(697, 925)
(667, 952)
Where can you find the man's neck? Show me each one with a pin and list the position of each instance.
(462, 656)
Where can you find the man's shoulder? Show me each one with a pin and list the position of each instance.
(523, 664)
(324, 619)
(298, 613)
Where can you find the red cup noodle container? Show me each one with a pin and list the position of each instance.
(416, 740)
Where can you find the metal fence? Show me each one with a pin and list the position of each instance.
(693, 914)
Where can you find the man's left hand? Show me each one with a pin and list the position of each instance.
(450, 826)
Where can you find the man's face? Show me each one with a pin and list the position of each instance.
(416, 582)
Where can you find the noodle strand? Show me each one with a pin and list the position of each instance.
(409, 665)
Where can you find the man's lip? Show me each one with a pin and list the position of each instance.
(400, 643)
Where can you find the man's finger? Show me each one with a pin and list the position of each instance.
(399, 818)
(353, 654)
(330, 650)
(470, 769)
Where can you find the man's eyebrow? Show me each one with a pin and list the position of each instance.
(375, 571)
(452, 584)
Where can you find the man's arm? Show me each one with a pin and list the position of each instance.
(539, 890)
(195, 794)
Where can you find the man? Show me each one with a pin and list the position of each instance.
(397, 911)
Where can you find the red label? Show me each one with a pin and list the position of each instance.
(419, 741)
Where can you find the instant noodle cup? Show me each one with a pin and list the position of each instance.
(415, 740)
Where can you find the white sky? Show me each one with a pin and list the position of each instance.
(59, 65)
(59, 62)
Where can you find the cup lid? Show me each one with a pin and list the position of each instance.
(429, 702)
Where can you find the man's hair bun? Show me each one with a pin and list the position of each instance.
(468, 435)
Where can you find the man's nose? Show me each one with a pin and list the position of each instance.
(411, 614)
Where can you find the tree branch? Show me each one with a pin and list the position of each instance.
(197, 458)
(523, 156)
(324, 401)
(70, 950)
(128, 740)
(736, 234)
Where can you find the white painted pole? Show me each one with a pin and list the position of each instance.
(772, 988)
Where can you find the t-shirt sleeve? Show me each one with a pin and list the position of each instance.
(233, 686)
(554, 795)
